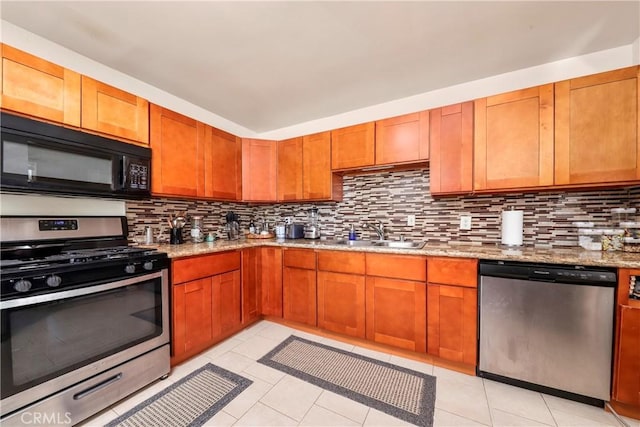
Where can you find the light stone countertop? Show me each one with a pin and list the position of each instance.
(576, 256)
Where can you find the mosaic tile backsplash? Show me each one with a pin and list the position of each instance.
(389, 197)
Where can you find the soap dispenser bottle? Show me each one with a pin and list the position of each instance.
(352, 233)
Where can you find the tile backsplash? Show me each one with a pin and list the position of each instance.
(389, 197)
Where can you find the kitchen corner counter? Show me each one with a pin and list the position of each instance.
(577, 256)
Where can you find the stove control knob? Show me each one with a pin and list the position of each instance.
(148, 265)
(130, 269)
(54, 281)
(22, 285)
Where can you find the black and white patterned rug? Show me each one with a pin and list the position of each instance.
(191, 401)
(397, 391)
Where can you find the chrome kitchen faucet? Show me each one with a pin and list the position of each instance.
(378, 228)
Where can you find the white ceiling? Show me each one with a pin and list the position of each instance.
(269, 65)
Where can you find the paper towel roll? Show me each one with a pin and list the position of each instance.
(512, 225)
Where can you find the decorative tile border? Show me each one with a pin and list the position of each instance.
(391, 196)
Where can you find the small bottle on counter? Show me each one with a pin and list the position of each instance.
(252, 227)
(352, 233)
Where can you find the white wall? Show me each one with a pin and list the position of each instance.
(43, 48)
(620, 57)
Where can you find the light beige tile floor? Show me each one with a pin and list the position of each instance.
(277, 399)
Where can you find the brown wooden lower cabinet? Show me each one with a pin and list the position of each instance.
(627, 389)
(451, 322)
(225, 304)
(206, 302)
(299, 286)
(396, 313)
(452, 308)
(192, 329)
(396, 300)
(625, 397)
(299, 295)
(341, 303)
(270, 270)
(250, 295)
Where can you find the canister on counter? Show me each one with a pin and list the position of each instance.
(612, 239)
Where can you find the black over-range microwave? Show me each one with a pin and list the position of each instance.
(45, 158)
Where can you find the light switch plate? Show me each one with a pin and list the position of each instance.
(465, 222)
(411, 220)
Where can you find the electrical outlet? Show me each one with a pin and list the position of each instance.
(465, 222)
(411, 220)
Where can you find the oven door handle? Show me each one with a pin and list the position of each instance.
(97, 387)
(55, 296)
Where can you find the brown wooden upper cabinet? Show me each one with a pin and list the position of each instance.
(597, 126)
(403, 139)
(38, 88)
(175, 144)
(318, 181)
(115, 112)
(451, 164)
(513, 140)
(353, 147)
(304, 169)
(290, 178)
(259, 160)
(222, 165)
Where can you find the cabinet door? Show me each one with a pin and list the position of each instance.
(341, 303)
(627, 383)
(191, 316)
(353, 146)
(403, 139)
(271, 281)
(259, 170)
(289, 181)
(251, 295)
(513, 140)
(115, 112)
(451, 164)
(222, 165)
(397, 312)
(597, 127)
(453, 271)
(452, 322)
(299, 295)
(342, 262)
(318, 182)
(175, 169)
(226, 305)
(39, 88)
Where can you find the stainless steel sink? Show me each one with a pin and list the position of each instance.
(354, 242)
(399, 244)
(381, 243)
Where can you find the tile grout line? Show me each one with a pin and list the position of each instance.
(486, 397)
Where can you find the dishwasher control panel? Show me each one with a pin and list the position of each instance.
(598, 276)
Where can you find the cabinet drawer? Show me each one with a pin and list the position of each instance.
(397, 266)
(341, 262)
(197, 267)
(300, 258)
(453, 271)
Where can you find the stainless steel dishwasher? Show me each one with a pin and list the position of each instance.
(548, 328)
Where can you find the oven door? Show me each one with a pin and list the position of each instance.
(52, 341)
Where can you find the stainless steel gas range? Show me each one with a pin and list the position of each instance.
(84, 317)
